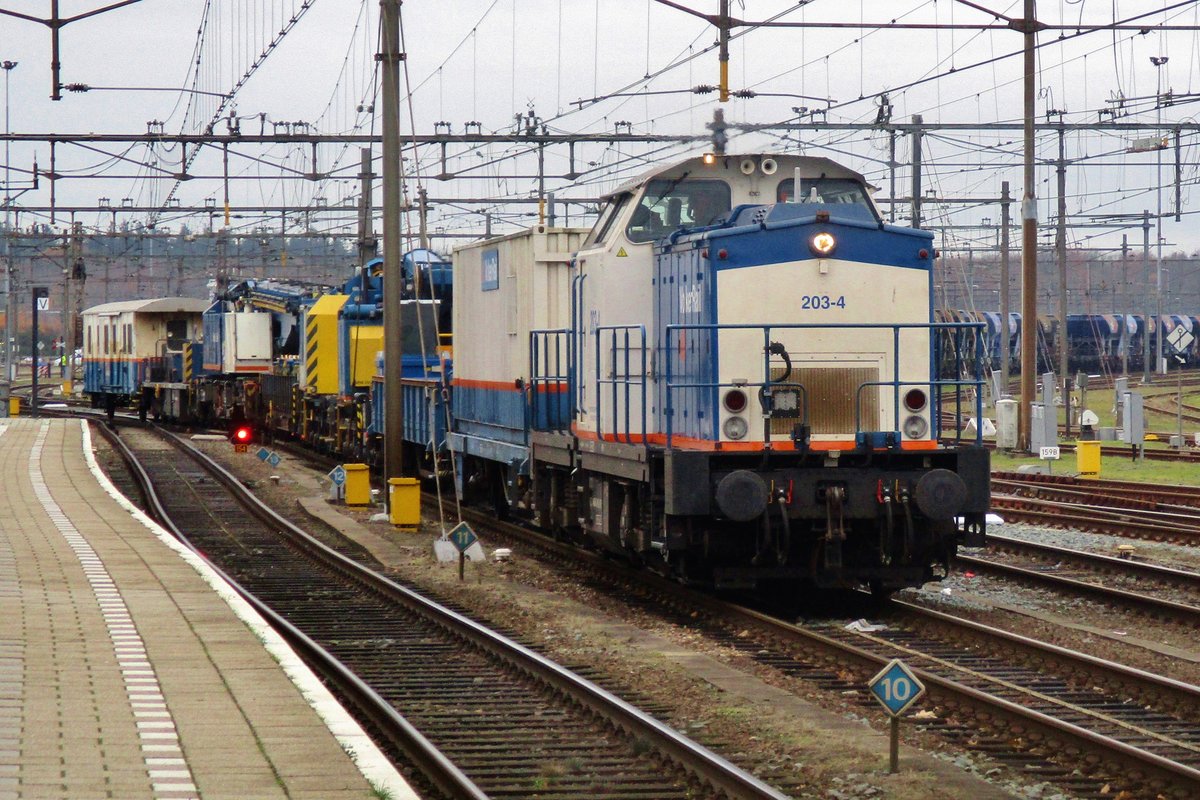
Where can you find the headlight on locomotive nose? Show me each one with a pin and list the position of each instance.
(822, 244)
(915, 427)
(735, 428)
(914, 399)
(735, 401)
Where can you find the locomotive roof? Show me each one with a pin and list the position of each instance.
(810, 166)
(160, 305)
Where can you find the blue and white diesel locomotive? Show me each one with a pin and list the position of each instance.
(730, 377)
(734, 377)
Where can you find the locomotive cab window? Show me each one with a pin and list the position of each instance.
(840, 192)
(176, 334)
(608, 216)
(670, 204)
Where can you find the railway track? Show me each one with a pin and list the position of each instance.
(1113, 451)
(474, 713)
(1144, 511)
(1114, 490)
(1081, 722)
(1163, 592)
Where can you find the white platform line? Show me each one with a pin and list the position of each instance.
(374, 765)
(140, 680)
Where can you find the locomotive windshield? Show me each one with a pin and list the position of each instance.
(672, 203)
(826, 191)
(607, 217)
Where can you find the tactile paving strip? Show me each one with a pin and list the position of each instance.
(170, 776)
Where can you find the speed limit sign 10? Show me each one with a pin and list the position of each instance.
(896, 687)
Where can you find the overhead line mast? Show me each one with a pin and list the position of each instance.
(1029, 26)
(390, 58)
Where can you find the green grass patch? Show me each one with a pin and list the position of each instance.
(1111, 467)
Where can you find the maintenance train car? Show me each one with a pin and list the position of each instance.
(300, 361)
(730, 378)
(135, 350)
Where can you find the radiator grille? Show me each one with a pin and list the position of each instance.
(831, 393)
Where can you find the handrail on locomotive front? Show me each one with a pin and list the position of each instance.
(550, 371)
(674, 331)
(620, 332)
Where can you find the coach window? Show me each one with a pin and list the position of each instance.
(104, 351)
(670, 204)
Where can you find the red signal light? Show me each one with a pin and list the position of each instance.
(242, 434)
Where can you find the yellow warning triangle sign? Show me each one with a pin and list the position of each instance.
(622, 254)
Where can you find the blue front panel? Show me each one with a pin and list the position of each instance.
(93, 374)
(424, 414)
(551, 409)
(785, 237)
(214, 332)
(115, 376)
(174, 367)
(685, 290)
(490, 413)
(378, 422)
(424, 409)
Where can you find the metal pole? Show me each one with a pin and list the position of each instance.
(1005, 332)
(423, 230)
(10, 297)
(1062, 266)
(892, 174)
(1126, 304)
(1179, 403)
(76, 275)
(1029, 26)
(1160, 347)
(916, 172)
(38, 293)
(10, 304)
(1146, 272)
(366, 235)
(723, 52)
(393, 280)
(894, 748)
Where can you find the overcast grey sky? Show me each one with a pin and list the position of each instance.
(486, 60)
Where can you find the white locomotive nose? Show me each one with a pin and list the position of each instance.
(941, 494)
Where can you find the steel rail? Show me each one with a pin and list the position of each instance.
(434, 766)
(1170, 692)
(1184, 691)
(714, 770)
(1114, 488)
(1148, 503)
(1120, 522)
(1180, 611)
(1124, 566)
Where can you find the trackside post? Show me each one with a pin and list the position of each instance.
(896, 688)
